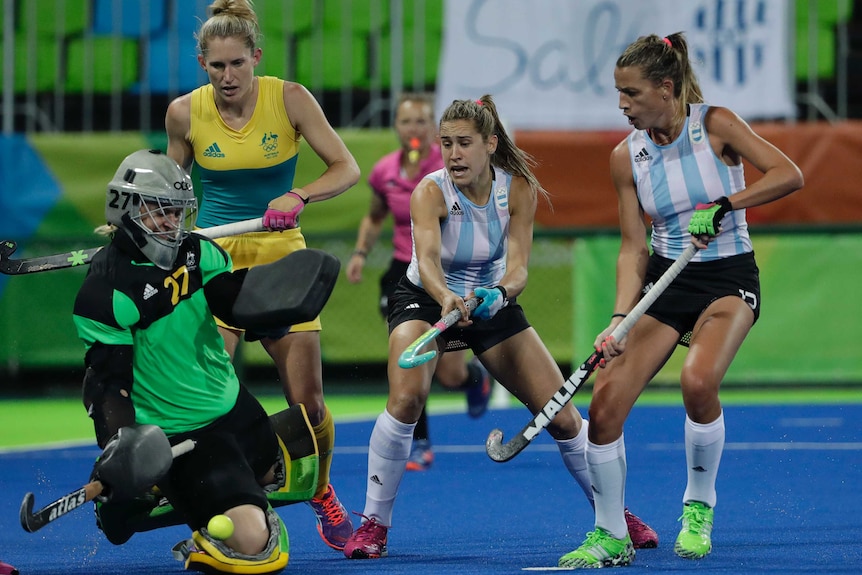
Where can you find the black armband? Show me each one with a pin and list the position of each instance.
(725, 204)
(503, 291)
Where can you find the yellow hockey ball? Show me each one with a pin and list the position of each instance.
(220, 527)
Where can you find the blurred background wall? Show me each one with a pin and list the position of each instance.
(86, 82)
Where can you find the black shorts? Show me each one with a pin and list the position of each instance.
(223, 470)
(388, 283)
(410, 302)
(701, 283)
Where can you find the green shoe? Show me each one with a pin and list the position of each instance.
(600, 550)
(694, 540)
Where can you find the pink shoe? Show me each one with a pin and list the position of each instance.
(368, 541)
(6, 569)
(333, 522)
(643, 536)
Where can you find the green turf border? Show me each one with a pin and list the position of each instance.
(53, 421)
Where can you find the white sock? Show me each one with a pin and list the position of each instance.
(704, 444)
(607, 466)
(388, 451)
(574, 457)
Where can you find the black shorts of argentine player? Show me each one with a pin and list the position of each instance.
(410, 302)
(700, 284)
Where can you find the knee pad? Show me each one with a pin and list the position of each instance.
(208, 555)
(297, 466)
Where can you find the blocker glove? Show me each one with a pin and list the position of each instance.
(706, 220)
(493, 300)
(277, 220)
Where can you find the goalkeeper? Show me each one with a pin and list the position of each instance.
(154, 356)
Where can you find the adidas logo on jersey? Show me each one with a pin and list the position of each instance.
(642, 156)
(149, 291)
(456, 210)
(413, 305)
(213, 151)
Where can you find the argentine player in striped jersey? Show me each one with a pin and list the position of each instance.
(682, 167)
(472, 229)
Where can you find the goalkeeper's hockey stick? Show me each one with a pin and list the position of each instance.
(494, 446)
(32, 522)
(76, 258)
(411, 357)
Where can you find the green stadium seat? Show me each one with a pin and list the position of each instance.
(364, 16)
(54, 17)
(276, 55)
(283, 17)
(830, 13)
(103, 56)
(309, 65)
(430, 21)
(47, 55)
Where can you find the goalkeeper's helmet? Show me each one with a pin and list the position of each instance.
(152, 201)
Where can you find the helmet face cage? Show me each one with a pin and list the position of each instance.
(151, 199)
(166, 221)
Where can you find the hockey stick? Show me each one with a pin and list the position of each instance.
(76, 258)
(32, 522)
(409, 357)
(504, 452)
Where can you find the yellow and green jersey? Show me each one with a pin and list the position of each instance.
(242, 170)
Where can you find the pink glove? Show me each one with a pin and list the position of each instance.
(276, 220)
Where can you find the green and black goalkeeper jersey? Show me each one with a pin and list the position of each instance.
(183, 377)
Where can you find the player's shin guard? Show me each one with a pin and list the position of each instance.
(296, 471)
(208, 555)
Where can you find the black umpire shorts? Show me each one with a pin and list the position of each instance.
(410, 302)
(388, 283)
(230, 456)
(701, 283)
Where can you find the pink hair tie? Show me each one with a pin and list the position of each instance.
(666, 40)
(478, 102)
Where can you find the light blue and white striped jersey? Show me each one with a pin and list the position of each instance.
(671, 180)
(474, 238)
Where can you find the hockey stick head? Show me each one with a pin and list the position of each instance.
(7, 248)
(411, 357)
(502, 452)
(29, 522)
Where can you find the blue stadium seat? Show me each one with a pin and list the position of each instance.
(137, 19)
(171, 69)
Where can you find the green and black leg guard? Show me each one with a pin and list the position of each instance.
(296, 474)
(298, 463)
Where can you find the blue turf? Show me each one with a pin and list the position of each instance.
(788, 502)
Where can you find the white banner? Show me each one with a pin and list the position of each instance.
(549, 63)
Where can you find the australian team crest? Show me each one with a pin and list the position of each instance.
(695, 131)
(269, 143)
